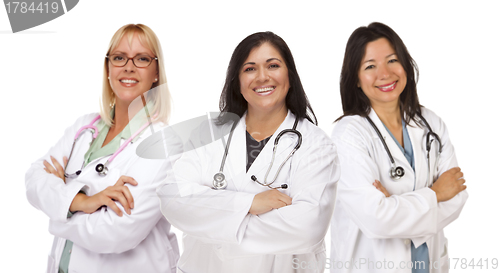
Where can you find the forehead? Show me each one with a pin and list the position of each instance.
(132, 43)
(263, 52)
(378, 49)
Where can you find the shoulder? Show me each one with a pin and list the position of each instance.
(86, 119)
(352, 129)
(435, 122)
(202, 131)
(312, 134)
(82, 121)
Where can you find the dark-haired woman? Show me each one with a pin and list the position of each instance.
(400, 183)
(245, 222)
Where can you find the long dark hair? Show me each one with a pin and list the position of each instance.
(231, 100)
(354, 101)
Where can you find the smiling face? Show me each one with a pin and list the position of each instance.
(264, 80)
(129, 82)
(381, 76)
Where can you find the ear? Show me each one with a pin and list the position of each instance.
(359, 85)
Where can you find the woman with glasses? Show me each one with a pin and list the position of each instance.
(98, 194)
(400, 184)
(260, 198)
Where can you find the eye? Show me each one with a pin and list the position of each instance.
(118, 58)
(369, 67)
(393, 61)
(274, 66)
(143, 59)
(249, 69)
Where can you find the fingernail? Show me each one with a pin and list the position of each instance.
(132, 205)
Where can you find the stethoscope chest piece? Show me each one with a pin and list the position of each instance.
(101, 169)
(219, 182)
(397, 172)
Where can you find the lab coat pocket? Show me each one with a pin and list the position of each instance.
(444, 261)
(51, 265)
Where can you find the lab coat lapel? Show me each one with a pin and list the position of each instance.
(417, 137)
(398, 156)
(263, 160)
(236, 157)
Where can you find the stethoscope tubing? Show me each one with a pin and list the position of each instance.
(428, 146)
(100, 168)
(219, 178)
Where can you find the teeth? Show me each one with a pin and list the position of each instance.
(128, 81)
(266, 89)
(389, 86)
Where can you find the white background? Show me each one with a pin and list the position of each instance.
(52, 74)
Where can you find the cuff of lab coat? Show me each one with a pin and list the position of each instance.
(431, 198)
(429, 195)
(421, 240)
(71, 190)
(245, 201)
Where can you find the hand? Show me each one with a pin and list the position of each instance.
(59, 170)
(268, 200)
(381, 188)
(119, 192)
(449, 184)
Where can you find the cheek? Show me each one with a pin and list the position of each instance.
(243, 83)
(365, 80)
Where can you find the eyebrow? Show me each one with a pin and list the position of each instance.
(268, 60)
(120, 52)
(372, 60)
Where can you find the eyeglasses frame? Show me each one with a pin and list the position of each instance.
(152, 59)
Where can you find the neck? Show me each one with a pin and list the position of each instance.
(390, 115)
(261, 125)
(124, 111)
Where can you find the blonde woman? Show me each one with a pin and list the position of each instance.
(98, 194)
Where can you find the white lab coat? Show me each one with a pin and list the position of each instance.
(219, 233)
(103, 241)
(377, 231)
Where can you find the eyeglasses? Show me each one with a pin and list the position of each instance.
(139, 61)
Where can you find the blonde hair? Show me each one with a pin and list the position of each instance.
(159, 94)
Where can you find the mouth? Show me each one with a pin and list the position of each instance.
(264, 90)
(128, 82)
(387, 87)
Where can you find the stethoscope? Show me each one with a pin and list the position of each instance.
(101, 169)
(397, 172)
(220, 182)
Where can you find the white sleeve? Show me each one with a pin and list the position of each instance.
(408, 215)
(301, 226)
(198, 210)
(48, 192)
(104, 231)
(449, 210)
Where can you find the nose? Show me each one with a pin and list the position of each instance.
(262, 75)
(383, 72)
(129, 66)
